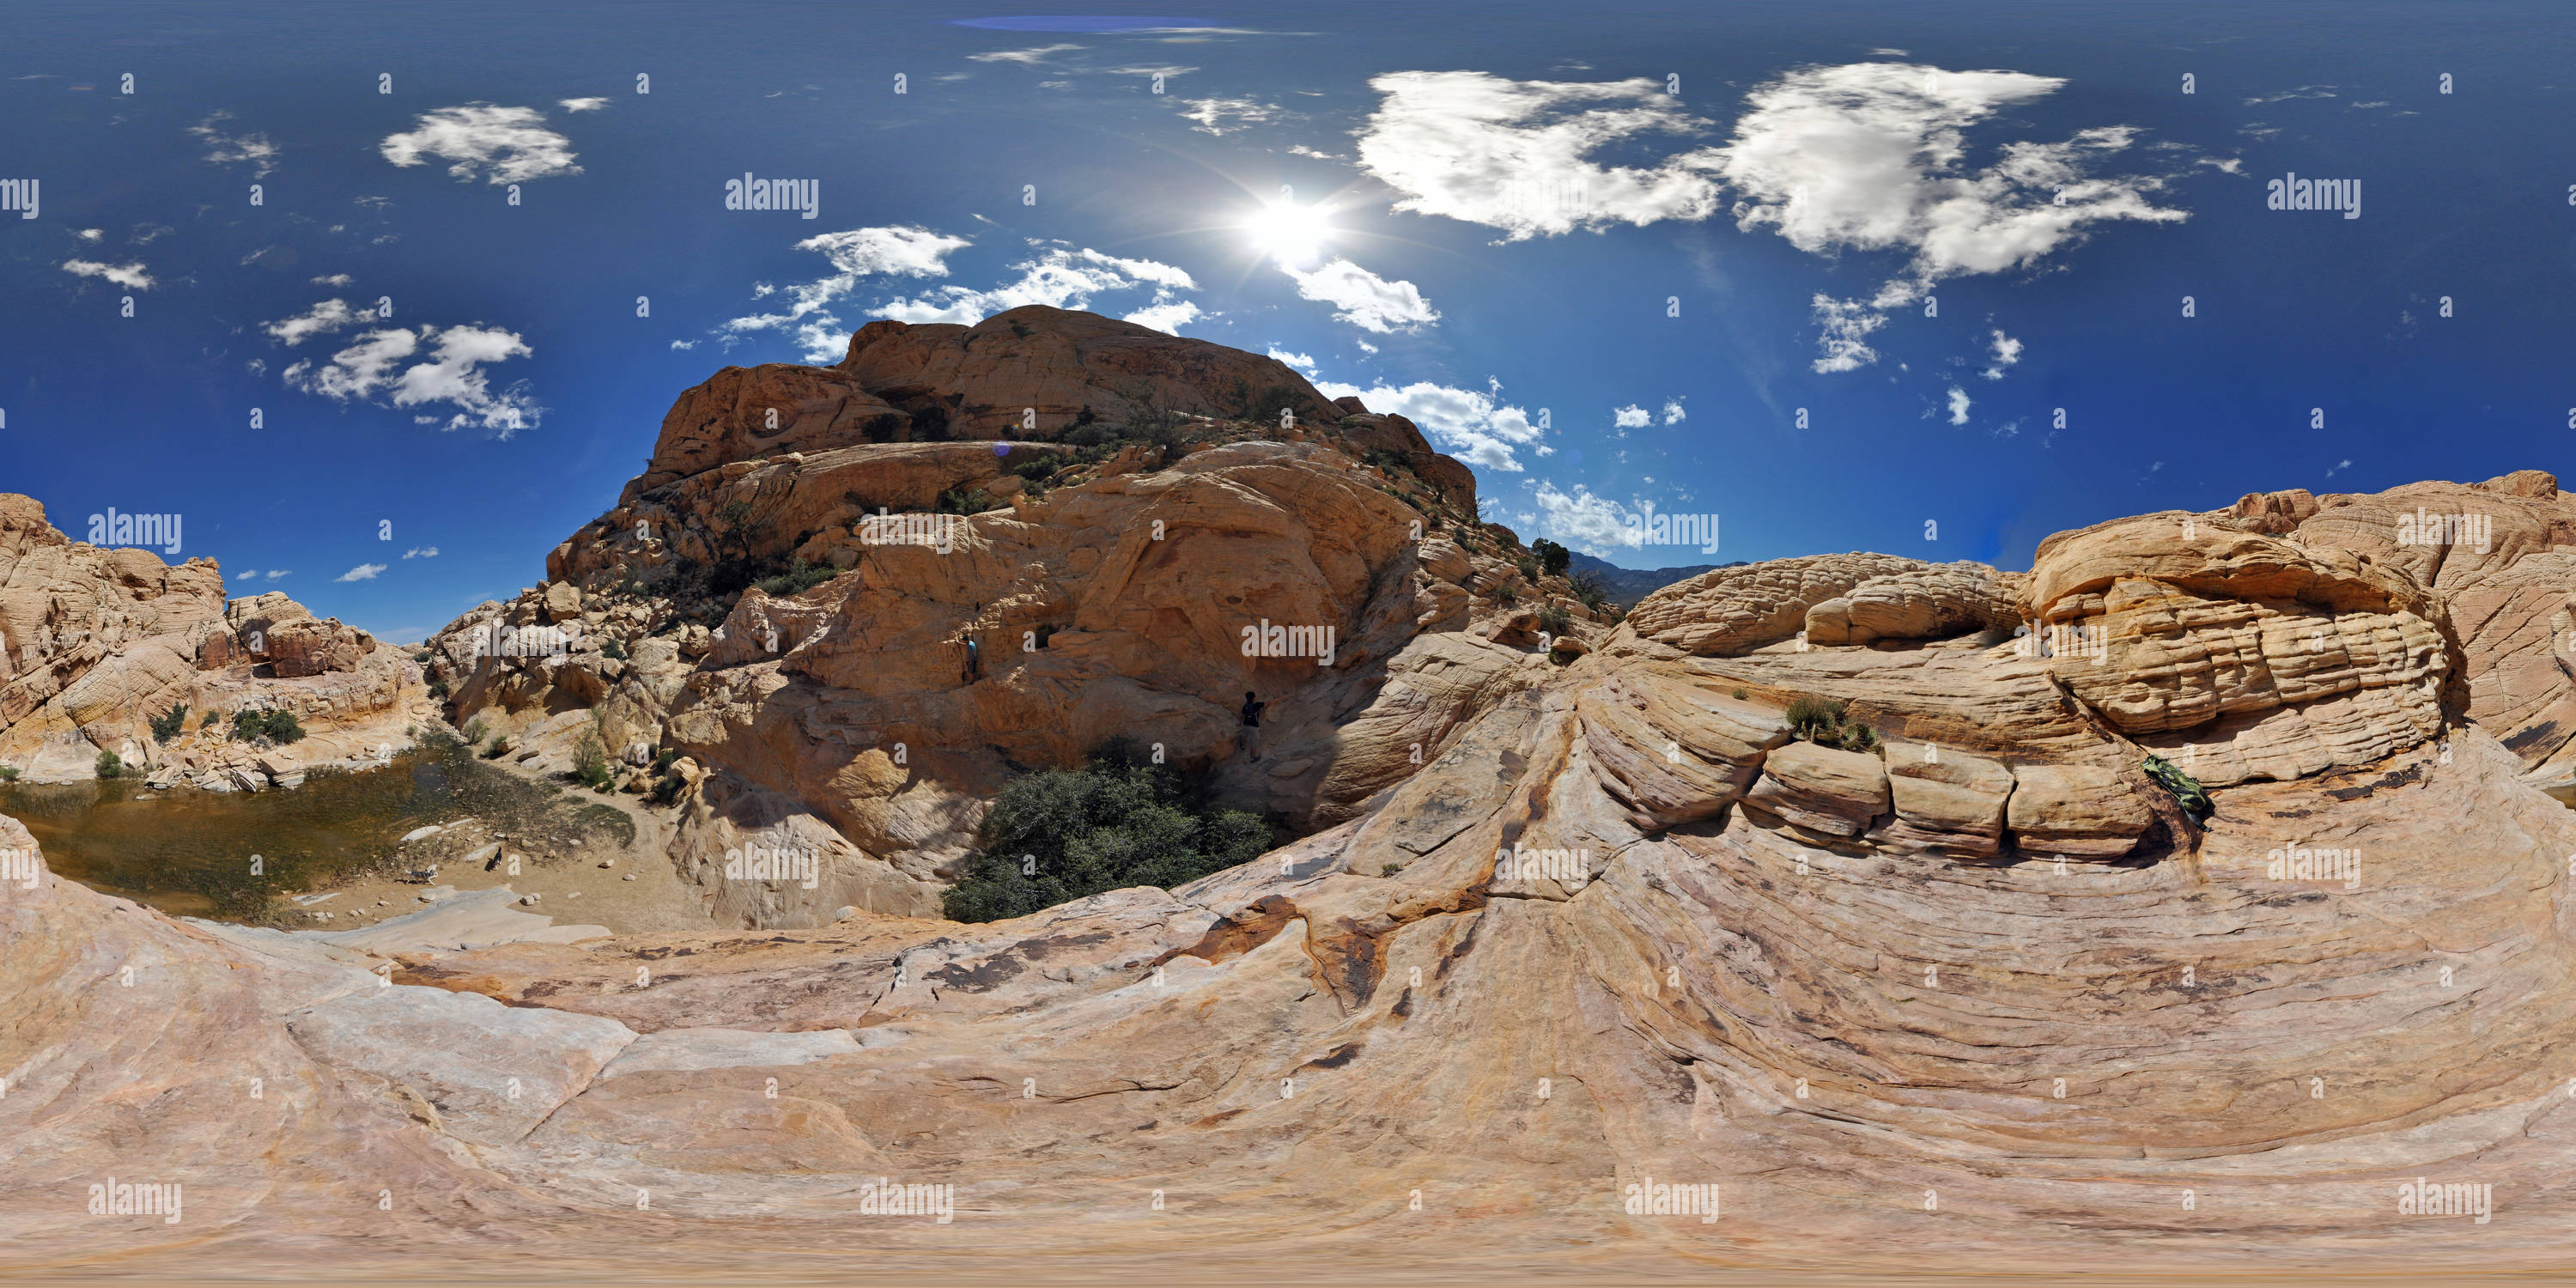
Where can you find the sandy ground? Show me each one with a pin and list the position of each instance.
(627, 888)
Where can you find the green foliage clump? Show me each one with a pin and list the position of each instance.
(1059, 835)
(8, 773)
(799, 578)
(167, 725)
(276, 726)
(2187, 791)
(212, 717)
(1823, 722)
(958, 500)
(1555, 620)
(110, 765)
(1552, 558)
(616, 650)
(590, 764)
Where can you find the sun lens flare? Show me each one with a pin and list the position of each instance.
(1288, 232)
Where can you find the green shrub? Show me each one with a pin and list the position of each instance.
(1589, 590)
(209, 721)
(500, 747)
(1060, 835)
(1554, 619)
(167, 726)
(958, 500)
(474, 731)
(1529, 569)
(2187, 791)
(614, 650)
(799, 578)
(276, 726)
(1823, 722)
(1552, 558)
(1739, 695)
(8, 773)
(662, 759)
(110, 765)
(590, 764)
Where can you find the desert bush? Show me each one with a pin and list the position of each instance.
(110, 765)
(167, 725)
(799, 578)
(1059, 835)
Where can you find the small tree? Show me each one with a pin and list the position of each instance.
(1552, 558)
(167, 726)
(110, 765)
(590, 763)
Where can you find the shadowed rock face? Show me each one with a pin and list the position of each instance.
(1625, 929)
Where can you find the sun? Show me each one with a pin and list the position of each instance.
(1288, 232)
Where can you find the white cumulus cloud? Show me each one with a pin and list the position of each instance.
(1871, 156)
(333, 279)
(1673, 413)
(1169, 316)
(856, 255)
(401, 367)
(2004, 352)
(1631, 417)
(501, 144)
(421, 552)
(1476, 427)
(1581, 520)
(322, 319)
(1058, 276)
(1516, 155)
(1958, 405)
(132, 277)
(1363, 298)
(363, 572)
(582, 104)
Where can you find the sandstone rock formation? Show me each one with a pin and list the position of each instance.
(1973, 991)
(1128, 564)
(97, 643)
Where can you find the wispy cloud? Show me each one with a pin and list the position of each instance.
(363, 572)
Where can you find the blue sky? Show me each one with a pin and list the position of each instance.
(1612, 213)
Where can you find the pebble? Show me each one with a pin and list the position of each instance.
(628, 877)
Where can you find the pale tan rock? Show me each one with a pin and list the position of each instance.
(1735, 610)
(1821, 789)
(2078, 811)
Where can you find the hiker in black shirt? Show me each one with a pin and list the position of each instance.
(1252, 725)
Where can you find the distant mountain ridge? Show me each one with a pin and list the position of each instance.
(1628, 585)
